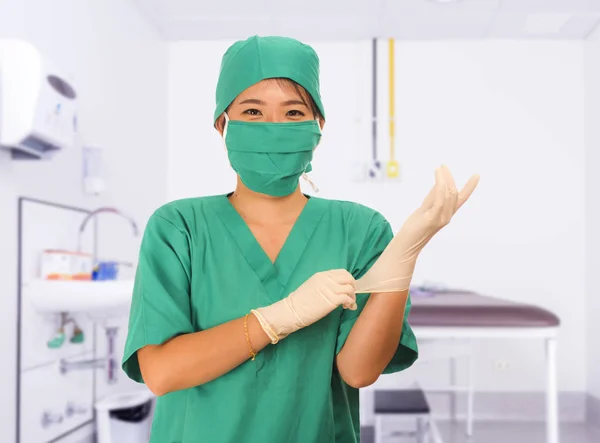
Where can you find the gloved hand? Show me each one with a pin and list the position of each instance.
(313, 300)
(394, 269)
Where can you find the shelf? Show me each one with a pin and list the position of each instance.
(100, 300)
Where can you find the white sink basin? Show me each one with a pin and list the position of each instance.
(100, 300)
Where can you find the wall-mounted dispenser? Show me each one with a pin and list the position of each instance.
(38, 115)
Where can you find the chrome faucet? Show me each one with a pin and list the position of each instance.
(100, 211)
(110, 362)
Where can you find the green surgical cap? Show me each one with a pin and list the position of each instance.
(247, 62)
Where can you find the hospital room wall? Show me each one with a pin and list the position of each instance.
(118, 63)
(592, 73)
(511, 111)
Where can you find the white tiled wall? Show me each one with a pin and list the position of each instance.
(43, 389)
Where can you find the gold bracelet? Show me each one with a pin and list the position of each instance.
(252, 353)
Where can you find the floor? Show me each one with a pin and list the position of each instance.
(501, 433)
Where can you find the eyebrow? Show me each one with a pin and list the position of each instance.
(294, 102)
(256, 101)
(253, 101)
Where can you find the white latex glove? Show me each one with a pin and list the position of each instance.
(317, 297)
(394, 269)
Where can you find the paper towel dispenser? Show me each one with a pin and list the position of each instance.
(38, 115)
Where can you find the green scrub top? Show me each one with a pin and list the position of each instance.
(200, 266)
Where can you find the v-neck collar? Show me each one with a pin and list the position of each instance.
(274, 275)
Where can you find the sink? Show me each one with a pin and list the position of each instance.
(102, 301)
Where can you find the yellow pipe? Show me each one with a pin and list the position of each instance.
(392, 96)
(393, 168)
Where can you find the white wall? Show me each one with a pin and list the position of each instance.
(511, 111)
(118, 64)
(593, 215)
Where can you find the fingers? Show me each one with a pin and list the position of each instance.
(466, 192)
(449, 179)
(348, 301)
(451, 196)
(428, 202)
(342, 288)
(345, 290)
(342, 277)
(444, 200)
(346, 296)
(440, 194)
(352, 307)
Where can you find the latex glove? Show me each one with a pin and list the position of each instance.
(317, 297)
(394, 269)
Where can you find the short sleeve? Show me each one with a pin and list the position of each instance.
(379, 235)
(160, 306)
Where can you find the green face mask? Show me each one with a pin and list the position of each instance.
(270, 158)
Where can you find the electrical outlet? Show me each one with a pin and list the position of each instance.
(393, 171)
(501, 365)
(375, 171)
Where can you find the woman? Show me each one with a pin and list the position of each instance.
(244, 320)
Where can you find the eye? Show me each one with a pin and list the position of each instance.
(252, 112)
(295, 113)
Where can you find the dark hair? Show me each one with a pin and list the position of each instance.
(303, 93)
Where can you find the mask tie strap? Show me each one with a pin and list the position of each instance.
(310, 182)
(226, 125)
(305, 175)
(225, 130)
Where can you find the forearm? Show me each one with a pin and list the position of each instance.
(194, 359)
(373, 340)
